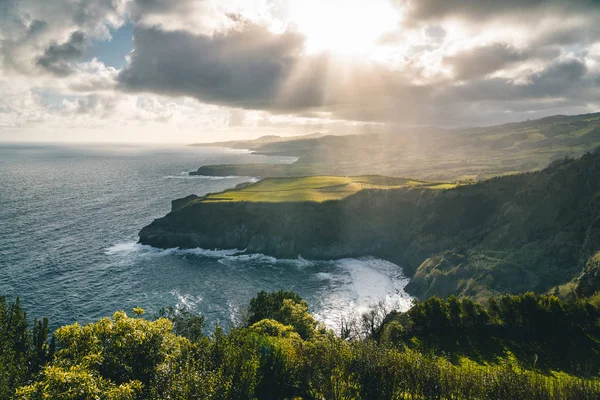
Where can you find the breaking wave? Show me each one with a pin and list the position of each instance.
(186, 175)
(336, 290)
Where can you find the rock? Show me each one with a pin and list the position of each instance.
(179, 203)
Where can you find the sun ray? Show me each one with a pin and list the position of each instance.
(344, 28)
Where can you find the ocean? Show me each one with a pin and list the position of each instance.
(69, 218)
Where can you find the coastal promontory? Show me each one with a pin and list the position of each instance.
(516, 233)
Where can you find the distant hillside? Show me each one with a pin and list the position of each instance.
(530, 231)
(430, 153)
(256, 143)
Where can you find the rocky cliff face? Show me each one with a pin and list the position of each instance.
(313, 230)
(510, 234)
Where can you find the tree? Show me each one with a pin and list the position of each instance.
(185, 323)
(285, 307)
(22, 351)
(114, 358)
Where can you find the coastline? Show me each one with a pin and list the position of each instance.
(473, 240)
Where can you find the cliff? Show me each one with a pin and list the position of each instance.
(511, 234)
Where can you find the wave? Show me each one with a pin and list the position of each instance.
(339, 289)
(186, 175)
(258, 258)
(299, 262)
(237, 151)
(360, 284)
(186, 301)
(128, 248)
(247, 258)
(225, 256)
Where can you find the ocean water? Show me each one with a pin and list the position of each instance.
(69, 218)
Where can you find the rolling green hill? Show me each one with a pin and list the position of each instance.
(428, 153)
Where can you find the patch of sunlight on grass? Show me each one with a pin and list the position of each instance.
(316, 188)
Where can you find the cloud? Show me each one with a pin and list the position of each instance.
(145, 8)
(150, 108)
(236, 117)
(484, 60)
(52, 34)
(235, 65)
(95, 16)
(58, 57)
(239, 68)
(253, 68)
(426, 10)
(100, 105)
(561, 79)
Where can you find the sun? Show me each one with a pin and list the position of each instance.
(343, 27)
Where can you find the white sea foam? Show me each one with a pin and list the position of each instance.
(225, 256)
(250, 179)
(288, 160)
(128, 248)
(186, 301)
(359, 285)
(123, 248)
(255, 258)
(246, 258)
(238, 151)
(345, 288)
(299, 262)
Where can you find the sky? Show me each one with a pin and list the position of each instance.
(208, 70)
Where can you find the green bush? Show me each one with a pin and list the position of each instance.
(419, 354)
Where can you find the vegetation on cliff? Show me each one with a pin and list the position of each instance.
(511, 348)
(510, 234)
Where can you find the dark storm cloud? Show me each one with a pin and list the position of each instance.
(144, 7)
(560, 79)
(562, 85)
(241, 68)
(484, 9)
(483, 60)
(58, 57)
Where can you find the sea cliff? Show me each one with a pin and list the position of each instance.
(511, 234)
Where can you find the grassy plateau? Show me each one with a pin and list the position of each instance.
(315, 188)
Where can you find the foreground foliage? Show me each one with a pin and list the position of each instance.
(22, 350)
(281, 352)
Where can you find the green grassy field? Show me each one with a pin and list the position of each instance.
(316, 188)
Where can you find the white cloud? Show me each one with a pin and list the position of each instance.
(229, 68)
